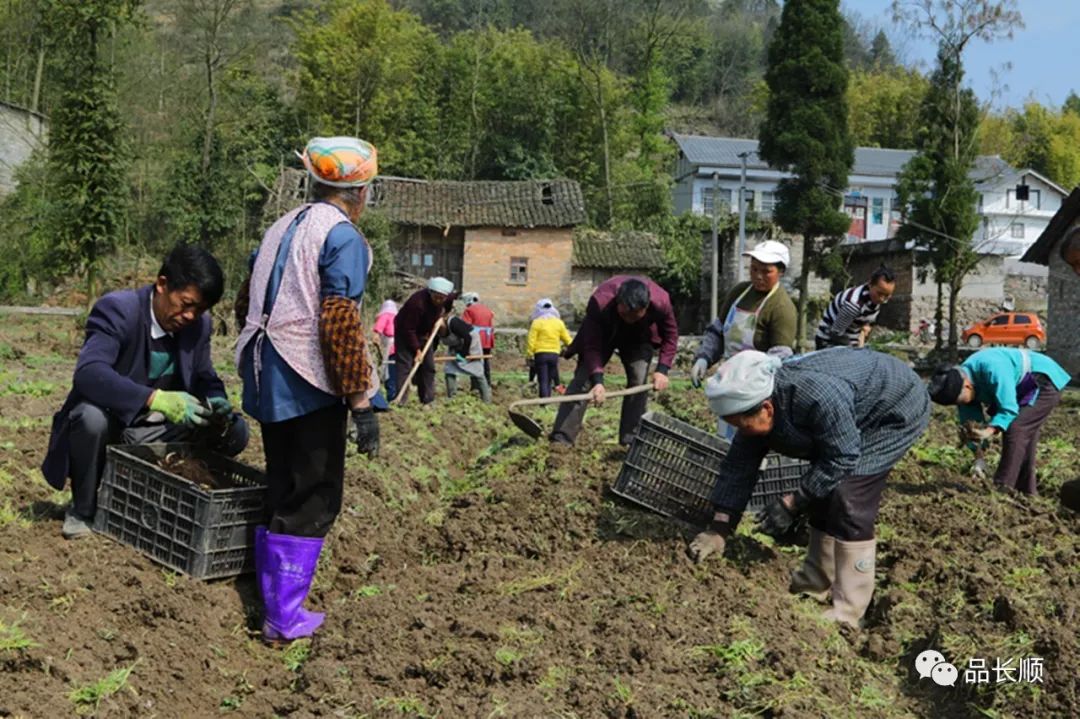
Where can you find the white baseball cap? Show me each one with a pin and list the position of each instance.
(770, 252)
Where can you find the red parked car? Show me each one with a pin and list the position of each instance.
(1007, 328)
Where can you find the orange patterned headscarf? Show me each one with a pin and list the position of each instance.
(341, 161)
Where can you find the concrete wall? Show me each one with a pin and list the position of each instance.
(488, 251)
(1063, 331)
(21, 132)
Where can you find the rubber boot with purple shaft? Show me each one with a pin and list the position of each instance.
(288, 565)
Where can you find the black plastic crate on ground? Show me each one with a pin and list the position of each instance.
(207, 533)
(672, 466)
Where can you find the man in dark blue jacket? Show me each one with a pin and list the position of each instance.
(144, 374)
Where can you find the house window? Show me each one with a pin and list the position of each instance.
(1017, 230)
(519, 270)
(429, 260)
(415, 260)
(723, 196)
(748, 198)
(768, 203)
(1034, 200)
(877, 210)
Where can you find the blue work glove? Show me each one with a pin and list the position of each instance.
(461, 358)
(180, 408)
(220, 406)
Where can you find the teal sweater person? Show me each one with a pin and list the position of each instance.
(1007, 392)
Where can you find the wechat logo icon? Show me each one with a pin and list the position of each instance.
(931, 664)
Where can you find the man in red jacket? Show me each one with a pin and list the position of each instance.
(482, 318)
(634, 316)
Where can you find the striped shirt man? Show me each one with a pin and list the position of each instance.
(847, 319)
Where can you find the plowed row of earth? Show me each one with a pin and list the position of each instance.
(473, 573)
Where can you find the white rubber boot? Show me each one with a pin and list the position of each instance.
(853, 583)
(815, 576)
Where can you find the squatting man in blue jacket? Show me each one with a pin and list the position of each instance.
(144, 374)
(853, 413)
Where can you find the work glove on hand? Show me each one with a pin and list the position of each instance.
(367, 431)
(711, 541)
(180, 408)
(976, 434)
(776, 519)
(978, 469)
(697, 372)
(220, 406)
(530, 362)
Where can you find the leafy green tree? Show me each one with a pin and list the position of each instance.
(87, 158)
(806, 129)
(883, 107)
(935, 185)
(367, 70)
(1072, 103)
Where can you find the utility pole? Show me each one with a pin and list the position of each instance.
(742, 213)
(714, 297)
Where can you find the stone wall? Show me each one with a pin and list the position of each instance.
(1063, 321)
(21, 132)
(1028, 286)
(486, 269)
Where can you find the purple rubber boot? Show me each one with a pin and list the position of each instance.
(288, 566)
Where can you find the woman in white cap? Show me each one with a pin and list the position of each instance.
(756, 315)
(413, 325)
(853, 413)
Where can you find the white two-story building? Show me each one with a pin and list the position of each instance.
(1015, 206)
(708, 170)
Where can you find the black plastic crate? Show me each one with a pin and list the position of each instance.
(672, 466)
(204, 532)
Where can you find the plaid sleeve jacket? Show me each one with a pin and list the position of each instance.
(849, 411)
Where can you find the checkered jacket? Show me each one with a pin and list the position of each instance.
(849, 411)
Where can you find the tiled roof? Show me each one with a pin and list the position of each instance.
(626, 249)
(528, 203)
(876, 161)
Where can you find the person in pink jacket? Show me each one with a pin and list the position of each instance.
(384, 333)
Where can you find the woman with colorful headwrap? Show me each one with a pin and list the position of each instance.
(545, 343)
(305, 366)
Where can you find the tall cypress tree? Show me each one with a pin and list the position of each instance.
(805, 131)
(86, 158)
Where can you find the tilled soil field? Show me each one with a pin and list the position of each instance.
(473, 573)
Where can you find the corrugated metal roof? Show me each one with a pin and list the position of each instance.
(874, 161)
(626, 249)
(528, 203)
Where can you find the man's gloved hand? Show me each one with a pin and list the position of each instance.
(367, 431)
(220, 406)
(706, 543)
(180, 408)
(460, 358)
(530, 362)
(697, 372)
(978, 469)
(779, 515)
(712, 540)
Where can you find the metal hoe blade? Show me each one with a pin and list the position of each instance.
(526, 424)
